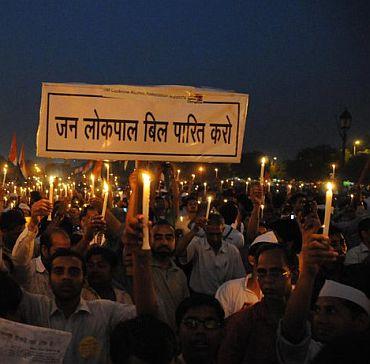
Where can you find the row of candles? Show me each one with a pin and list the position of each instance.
(146, 195)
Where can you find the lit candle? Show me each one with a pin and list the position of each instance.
(328, 201)
(205, 188)
(107, 167)
(246, 187)
(352, 197)
(92, 177)
(105, 202)
(262, 208)
(333, 166)
(51, 193)
(146, 198)
(268, 187)
(178, 174)
(289, 189)
(262, 173)
(5, 170)
(216, 171)
(193, 177)
(209, 200)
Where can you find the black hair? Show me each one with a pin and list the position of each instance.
(34, 197)
(10, 294)
(229, 211)
(86, 209)
(62, 252)
(363, 225)
(163, 222)
(215, 219)
(11, 219)
(333, 230)
(294, 198)
(198, 300)
(288, 230)
(108, 255)
(46, 236)
(145, 337)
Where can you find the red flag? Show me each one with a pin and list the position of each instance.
(13, 151)
(97, 169)
(22, 163)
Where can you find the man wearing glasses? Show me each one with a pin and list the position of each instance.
(251, 333)
(200, 322)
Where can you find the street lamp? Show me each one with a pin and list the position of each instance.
(345, 123)
(356, 144)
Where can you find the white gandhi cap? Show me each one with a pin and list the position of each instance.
(339, 290)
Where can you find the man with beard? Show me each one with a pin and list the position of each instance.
(251, 333)
(169, 280)
(215, 261)
(33, 273)
(90, 322)
(101, 264)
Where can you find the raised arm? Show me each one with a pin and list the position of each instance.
(315, 251)
(256, 196)
(22, 252)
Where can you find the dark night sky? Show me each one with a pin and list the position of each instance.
(302, 62)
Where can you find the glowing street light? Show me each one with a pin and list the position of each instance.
(356, 144)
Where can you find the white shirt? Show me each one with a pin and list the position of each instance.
(301, 353)
(210, 270)
(91, 325)
(235, 295)
(233, 236)
(357, 254)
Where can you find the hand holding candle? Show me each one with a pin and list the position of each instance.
(146, 198)
(328, 203)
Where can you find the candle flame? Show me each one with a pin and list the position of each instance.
(209, 198)
(262, 207)
(51, 179)
(105, 187)
(263, 160)
(329, 186)
(92, 177)
(146, 178)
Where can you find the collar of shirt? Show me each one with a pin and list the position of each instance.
(364, 248)
(82, 306)
(155, 263)
(223, 248)
(40, 268)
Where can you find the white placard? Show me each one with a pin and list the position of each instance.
(163, 123)
(24, 344)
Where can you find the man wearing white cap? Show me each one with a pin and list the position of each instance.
(339, 310)
(243, 292)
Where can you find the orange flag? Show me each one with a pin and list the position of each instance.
(22, 163)
(97, 169)
(13, 151)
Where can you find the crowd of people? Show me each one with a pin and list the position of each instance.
(250, 278)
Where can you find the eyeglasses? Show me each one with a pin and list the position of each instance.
(273, 273)
(209, 324)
